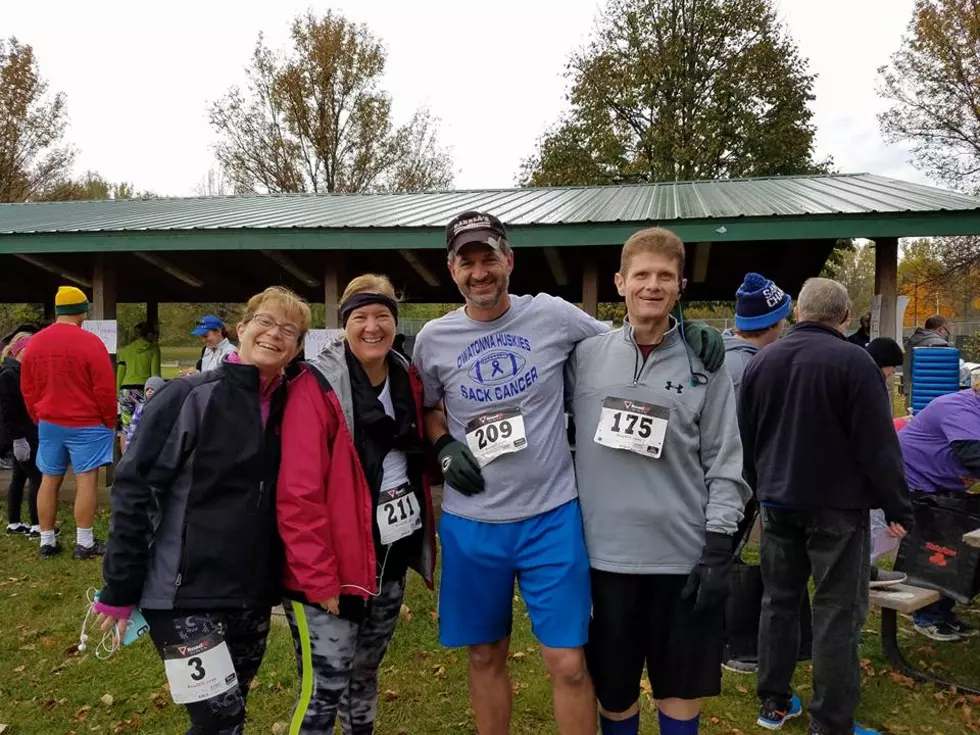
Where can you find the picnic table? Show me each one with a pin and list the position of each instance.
(905, 598)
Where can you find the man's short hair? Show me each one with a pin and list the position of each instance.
(753, 333)
(825, 301)
(653, 240)
(935, 322)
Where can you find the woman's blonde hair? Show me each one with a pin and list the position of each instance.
(14, 340)
(370, 283)
(293, 304)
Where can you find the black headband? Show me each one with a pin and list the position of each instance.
(364, 299)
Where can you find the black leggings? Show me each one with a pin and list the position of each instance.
(24, 473)
(244, 630)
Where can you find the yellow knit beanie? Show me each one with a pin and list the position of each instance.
(70, 300)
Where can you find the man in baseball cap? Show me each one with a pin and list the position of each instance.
(478, 227)
(493, 377)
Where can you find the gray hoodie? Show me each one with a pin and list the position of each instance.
(738, 353)
(649, 514)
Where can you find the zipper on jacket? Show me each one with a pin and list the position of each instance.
(258, 503)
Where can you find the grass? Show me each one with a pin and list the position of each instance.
(174, 359)
(47, 687)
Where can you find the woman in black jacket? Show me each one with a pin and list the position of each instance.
(19, 429)
(194, 541)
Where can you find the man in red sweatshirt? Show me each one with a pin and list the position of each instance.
(70, 392)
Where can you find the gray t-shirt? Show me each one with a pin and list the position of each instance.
(493, 369)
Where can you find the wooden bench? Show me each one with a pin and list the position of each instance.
(972, 538)
(907, 599)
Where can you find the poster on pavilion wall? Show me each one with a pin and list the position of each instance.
(104, 329)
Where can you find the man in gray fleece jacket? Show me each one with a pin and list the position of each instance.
(659, 469)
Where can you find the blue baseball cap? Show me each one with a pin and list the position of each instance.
(207, 323)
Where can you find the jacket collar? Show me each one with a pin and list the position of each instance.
(331, 363)
(817, 327)
(671, 337)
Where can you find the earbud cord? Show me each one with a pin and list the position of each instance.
(107, 649)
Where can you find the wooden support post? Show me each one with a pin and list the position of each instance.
(333, 276)
(590, 289)
(153, 315)
(103, 306)
(886, 285)
(103, 288)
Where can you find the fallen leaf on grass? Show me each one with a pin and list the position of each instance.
(19, 669)
(254, 684)
(714, 720)
(433, 614)
(406, 613)
(390, 695)
(81, 713)
(49, 641)
(107, 700)
(516, 655)
(439, 672)
(278, 728)
(741, 689)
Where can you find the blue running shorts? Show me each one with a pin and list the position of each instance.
(85, 448)
(547, 556)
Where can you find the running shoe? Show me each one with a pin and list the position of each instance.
(18, 529)
(741, 666)
(961, 628)
(49, 551)
(88, 552)
(774, 714)
(881, 578)
(942, 632)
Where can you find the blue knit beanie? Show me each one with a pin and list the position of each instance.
(760, 304)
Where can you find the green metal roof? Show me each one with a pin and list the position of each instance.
(784, 208)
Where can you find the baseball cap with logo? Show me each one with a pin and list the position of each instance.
(472, 226)
(207, 323)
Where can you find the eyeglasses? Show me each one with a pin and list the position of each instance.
(291, 331)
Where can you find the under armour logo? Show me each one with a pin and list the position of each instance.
(671, 386)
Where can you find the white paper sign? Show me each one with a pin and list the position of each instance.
(317, 339)
(104, 329)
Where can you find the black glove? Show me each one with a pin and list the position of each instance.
(459, 466)
(707, 343)
(709, 579)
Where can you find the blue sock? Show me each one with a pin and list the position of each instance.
(670, 726)
(629, 726)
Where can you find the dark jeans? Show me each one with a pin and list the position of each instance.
(833, 546)
(24, 473)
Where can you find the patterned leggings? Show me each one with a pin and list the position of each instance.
(338, 663)
(245, 632)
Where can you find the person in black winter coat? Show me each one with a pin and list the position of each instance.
(820, 452)
(22, 432)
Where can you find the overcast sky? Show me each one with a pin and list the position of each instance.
(139, 76)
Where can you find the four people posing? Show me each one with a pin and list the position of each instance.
(237, 494)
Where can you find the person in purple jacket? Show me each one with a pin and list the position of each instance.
(941, 451)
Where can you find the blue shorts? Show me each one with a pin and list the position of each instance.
(85, 448)
(480, 561)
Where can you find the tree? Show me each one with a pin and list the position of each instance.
(921, 278)
(316, 119)
(855, 269)
(212, 184)
(933, 83)
(91, 186)
(678, 90)
(33, 155)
